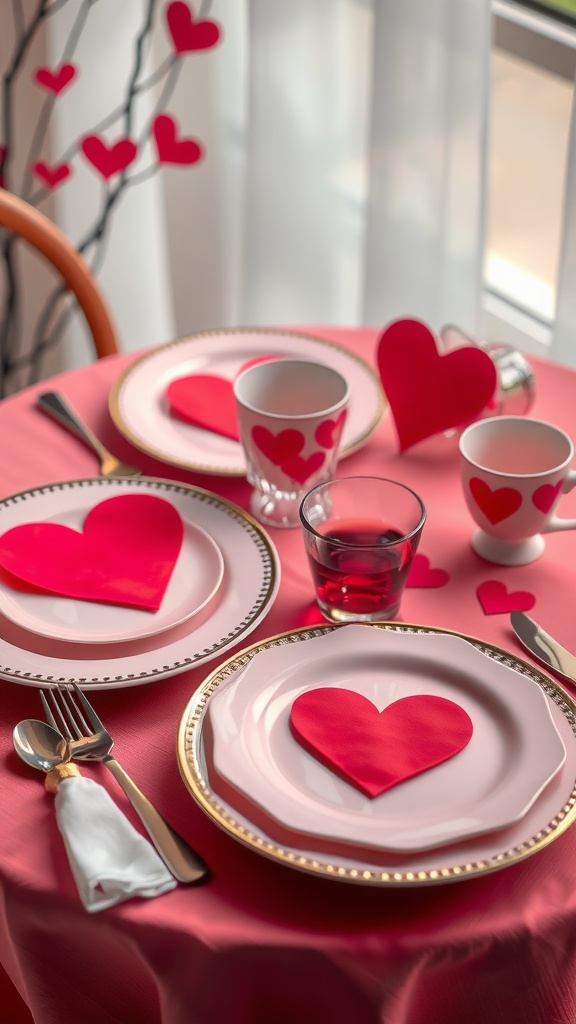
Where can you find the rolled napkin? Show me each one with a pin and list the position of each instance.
(110, 860)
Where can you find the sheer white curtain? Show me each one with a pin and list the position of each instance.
(343, 177)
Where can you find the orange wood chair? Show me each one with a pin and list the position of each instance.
(41, 233)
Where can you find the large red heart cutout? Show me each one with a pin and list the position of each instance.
(497, 504)
(55, 81)
(429, 392)
(124, 556)
(206, 401)
(109, 159)
(497, 600)
(51, 176)
(373, 750)
(188, 34)
(170, 149)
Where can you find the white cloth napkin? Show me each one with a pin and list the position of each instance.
(109, 859)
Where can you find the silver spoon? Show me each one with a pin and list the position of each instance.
(39, 745)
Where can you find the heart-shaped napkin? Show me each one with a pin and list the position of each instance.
(430, 392)
(373, 750)
(125, 554)
(109, 859)
(207, 401)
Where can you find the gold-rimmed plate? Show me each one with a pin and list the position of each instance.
(140, 410)
(550, 814)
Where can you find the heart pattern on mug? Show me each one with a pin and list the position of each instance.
(328, 433)
(497, 504)
(375, 750)
(284, 450)
(124, 555)
(497, 600)
(545, 496)
(300, 469)
(428, 391)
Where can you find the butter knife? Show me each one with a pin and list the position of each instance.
(543, 647)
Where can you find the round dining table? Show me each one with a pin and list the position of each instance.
(262, 942)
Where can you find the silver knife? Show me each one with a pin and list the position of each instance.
(543, 647)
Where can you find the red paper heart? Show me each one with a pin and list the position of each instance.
(108, 159)
(205, 401)
(278, 448)
(55, 81)
(170, 149)
(375, 750)
(498, 504)
(51, 176)
(125, 554)
(496, 600)
(545, 496)
(328, 432)
(300, 469)
(188, 34)
(429, 392)
(421, 575)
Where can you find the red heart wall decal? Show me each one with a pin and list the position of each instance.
(205, 401)
(421, 575)
(108, 159)
(51, 176)
(373, 750)
(496, 600)
(496, 504)
(545, 496)
(57, 80)
(171, 150)
(188, 34)
(125, 554)
(429, 392)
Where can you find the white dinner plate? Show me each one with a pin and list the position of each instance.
(488, 785)
(545, 817)
(245, 595)
(194, 583)
(140, 410)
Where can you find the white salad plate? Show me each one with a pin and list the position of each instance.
(502, 798)
(196, 578)
(242, 583)
(140, 409)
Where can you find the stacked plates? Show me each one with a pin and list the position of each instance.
(507, 793)
(223, 584)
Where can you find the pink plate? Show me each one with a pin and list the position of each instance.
(256, 765)
(195, 581)
(139, 406)
(248, 589)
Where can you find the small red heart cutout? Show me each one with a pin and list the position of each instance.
(124, 555)
(545, 496)
(430, 392)
(187, 34)
(108, 159)
(421, 575)
(496, 600)
(496, 504)
(300, 469)
(204, 401)
(327, 434)
(373, 750)
(51, 176)
(55, 81)
(278, 448)
(170, 149)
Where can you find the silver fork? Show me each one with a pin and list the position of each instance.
(89, 740)
(59, 409)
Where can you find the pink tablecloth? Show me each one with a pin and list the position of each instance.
(260, 943)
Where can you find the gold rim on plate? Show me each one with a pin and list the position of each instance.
(205, 467)
(190, 762)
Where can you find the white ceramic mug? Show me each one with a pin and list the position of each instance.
(514, 471)
(291, 413)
